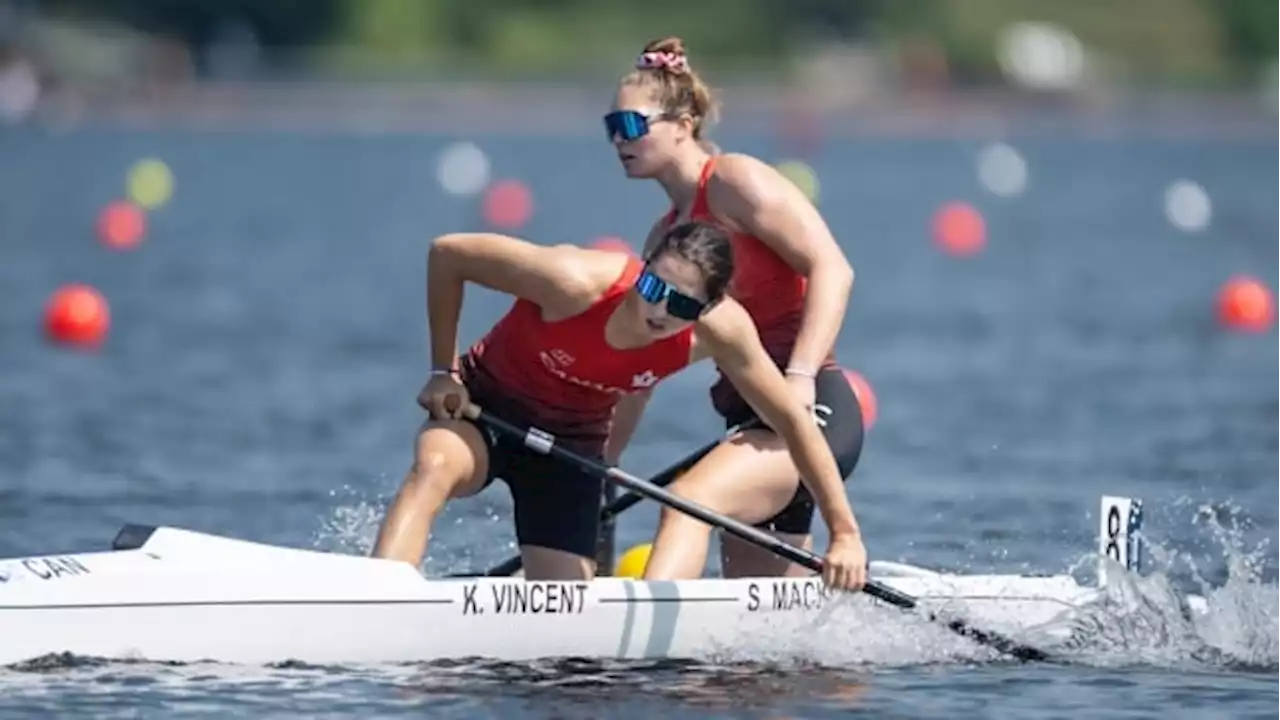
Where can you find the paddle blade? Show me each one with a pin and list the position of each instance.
(996, 641)
(991, 639)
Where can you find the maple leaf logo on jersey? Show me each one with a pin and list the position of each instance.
(644, 379)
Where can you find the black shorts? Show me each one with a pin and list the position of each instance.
(840, 418)
(556, 505)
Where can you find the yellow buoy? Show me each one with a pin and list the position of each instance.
(150, 183)
(803, 176)
(633, 562)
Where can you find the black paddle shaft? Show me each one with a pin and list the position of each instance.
(543, 442)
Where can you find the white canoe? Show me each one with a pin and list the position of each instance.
(169, 594)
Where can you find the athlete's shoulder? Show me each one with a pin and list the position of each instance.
(742, 180)
(727, 324)
(597, 269)
(606, 262)
(739, 167)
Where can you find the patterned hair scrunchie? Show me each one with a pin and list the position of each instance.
(674, 63)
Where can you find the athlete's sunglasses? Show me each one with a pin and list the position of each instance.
(628, 125)
(680, 306)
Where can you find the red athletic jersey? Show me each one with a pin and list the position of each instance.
(563, 376)
(772, 292)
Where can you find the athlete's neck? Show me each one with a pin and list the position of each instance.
(680, 181)
(620, 332)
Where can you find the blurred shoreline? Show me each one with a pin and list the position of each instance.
(62, 73)
(564, 109)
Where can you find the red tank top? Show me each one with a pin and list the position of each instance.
(563, 376)
(771, 291)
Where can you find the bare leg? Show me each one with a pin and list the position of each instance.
(546, 564)
(742, 559)
(451, 460)
(749, 478)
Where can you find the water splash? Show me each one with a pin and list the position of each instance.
(1240, 618)
(1210, 603)
(352, 525)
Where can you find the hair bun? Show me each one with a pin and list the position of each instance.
(672, 44)
(665, 55)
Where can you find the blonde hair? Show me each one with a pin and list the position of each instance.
(680, 91)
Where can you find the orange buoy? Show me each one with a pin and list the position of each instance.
(508, 204)
(1245, 303)
(77, 315)
(866, 397)
(958, 228)
(121, 225)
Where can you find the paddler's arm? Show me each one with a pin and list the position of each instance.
(626, 418)
(562, 280)
(759, 200)
(726, 334)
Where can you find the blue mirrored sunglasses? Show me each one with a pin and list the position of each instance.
(628, 125)
(680, 306)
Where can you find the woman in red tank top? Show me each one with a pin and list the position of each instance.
(587, 329)
(791, 277)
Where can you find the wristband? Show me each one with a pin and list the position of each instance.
(800, 373)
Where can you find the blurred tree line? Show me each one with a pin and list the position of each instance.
(1184, 41)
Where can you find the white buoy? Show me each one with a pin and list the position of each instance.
(1187, 206)
(1002, 170)
(463, 169)
(1043, 56)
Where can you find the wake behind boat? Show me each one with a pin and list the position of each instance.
(169, 594)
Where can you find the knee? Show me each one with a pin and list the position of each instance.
(675, 521)
(430, 475)
(688, 489)
(693, 492)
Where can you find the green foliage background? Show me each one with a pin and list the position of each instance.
(1179, 42)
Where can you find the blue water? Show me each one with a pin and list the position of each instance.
(269, 339)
